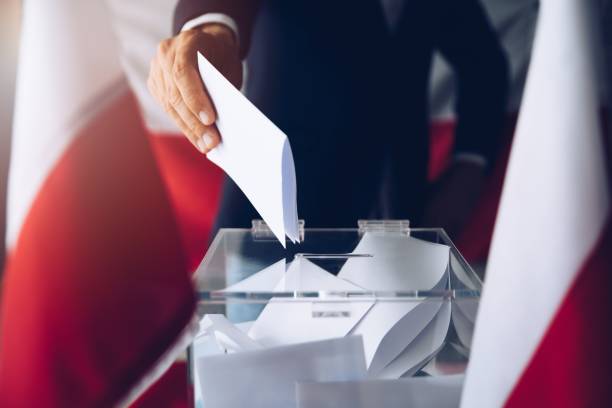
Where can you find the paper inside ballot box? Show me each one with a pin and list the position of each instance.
(397, 261)
(287, 320)
(418, 392)
(266, 280)
(421, 349)
(228, 337)
(267, 378)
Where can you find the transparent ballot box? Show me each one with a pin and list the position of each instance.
(381, 314)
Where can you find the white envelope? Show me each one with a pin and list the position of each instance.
(291, 320)
(267, 378)
(419, 392)
(398, 262)
(254, 153)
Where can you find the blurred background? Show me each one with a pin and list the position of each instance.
(9, 43)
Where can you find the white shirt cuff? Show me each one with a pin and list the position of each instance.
(218, 18)
(473, 158)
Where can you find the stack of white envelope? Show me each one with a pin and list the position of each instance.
(296, 343)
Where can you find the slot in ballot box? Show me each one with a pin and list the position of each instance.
(381, 314)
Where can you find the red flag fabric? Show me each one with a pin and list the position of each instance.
(97, 287)
(97, 293)
(194, 190)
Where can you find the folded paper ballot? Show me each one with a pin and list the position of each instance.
(397, 262)
(418, 392)
(286, 321)
(254, 153)
(229, 337)
(304, 276)
(420, 350)
(460, 274)
(265, 280)
(267, 378)
(390, 326)
(463, 325)
(206, 343)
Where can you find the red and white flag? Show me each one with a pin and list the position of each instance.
(96, 292)
(543, 333)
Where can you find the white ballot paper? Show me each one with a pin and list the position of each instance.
(265, 280)
(460, 273)
(267, 378)
(229, 337)
(254, 153)
(422, 348)
(305, 276)
(418, 392)
(389, 327)
(398, 262)
(463, 325)
(287, 321)
(218, 336)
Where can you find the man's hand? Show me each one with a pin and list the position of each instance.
(174, 79)
(455, 197)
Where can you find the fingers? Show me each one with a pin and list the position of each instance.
(210, 138)
(188, 83)
(162, 86)
(205, 138)
(175, 82)
(204, 142)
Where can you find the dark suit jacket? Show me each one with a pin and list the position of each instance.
(352, 96)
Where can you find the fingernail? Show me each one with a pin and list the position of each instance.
(201, 145)
(208, 140)
(205, 118)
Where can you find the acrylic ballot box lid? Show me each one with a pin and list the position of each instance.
(238, 253)
(407, 293)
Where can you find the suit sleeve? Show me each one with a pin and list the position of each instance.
(243, 12)
(470, 45)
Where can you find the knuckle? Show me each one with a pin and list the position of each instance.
(163, 47)
(174, 98)
(179, 68)
(192, 100)
(197, 126)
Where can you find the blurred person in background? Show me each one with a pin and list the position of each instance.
(349, 86)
